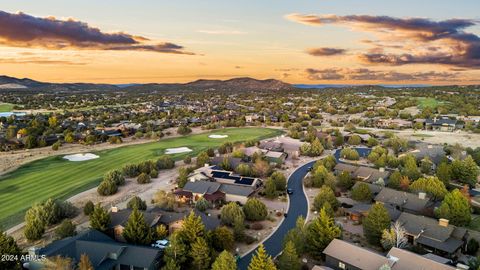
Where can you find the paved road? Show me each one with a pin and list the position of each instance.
(298, 207)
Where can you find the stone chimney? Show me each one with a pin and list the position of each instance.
(114, 209)
(443, 222)
(422, 195)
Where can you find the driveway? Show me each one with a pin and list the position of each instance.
(298, 207)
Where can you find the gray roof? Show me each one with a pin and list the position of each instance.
(121, 218)
(434, 152)
(237, 190)
(370, 174)
(202, 187)
(441, 121)
(167, 218)
(364, 259)
(405, 200)
(234, 162)
(97, 246)
(354, 255)
(406, 260)
(345, 167)
(375, 189)
(445, 238)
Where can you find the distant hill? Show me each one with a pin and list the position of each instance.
(232, 84)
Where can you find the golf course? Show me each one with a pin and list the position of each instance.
(59, 178)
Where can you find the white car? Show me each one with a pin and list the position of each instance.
(162, 244)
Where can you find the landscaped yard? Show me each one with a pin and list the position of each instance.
(429, 102)
(6, 107)
(58, 178)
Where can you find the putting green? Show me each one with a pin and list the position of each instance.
(59, 178)
(6, 107)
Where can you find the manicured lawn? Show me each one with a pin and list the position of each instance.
(6, 107)
(58, 178)
(429, 102)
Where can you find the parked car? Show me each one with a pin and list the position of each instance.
(289, 191)
(162, 244)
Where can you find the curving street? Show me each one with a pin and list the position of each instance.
(298, 207)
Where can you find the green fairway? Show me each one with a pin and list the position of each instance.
(429, 102)
(6, 107)
(58, 178)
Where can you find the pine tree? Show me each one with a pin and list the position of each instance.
(444, 173)
(99, 219)
(225, 261)
(289, 259)
(325, 195)
(176, 253)
(136, 230)
(261, 260)
(320, 233)
(297, 236)
(9, 246)
(192, 228)
(84, 263)
(361, 192)
(200, 254)
(376, 221)
(456, 208)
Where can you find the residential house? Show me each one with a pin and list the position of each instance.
(393, 123)
(217, 185)
(174, 220)
(272, 145)
(270, 155)
(119, 218)
(104, 253)
(342, 255)
(362, 173)
(417, 204)
(443, 124)
(435, 236)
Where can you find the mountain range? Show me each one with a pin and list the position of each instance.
(244, 83)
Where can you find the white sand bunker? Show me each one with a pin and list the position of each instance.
(216, 136)
(177, 150)
(81, 157)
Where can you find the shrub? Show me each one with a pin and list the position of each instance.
(107, 187)
(138, 203)
(230, 212)
(66, 229)
(153, 173)
(115, 176)
(165, 162)
(143, 178)
(255, 210)
(187, 160)
(472, 246)
(88, 208)
(202, 205)
(183, 130)
(350, 154)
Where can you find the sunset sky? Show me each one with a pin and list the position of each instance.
(301, 41)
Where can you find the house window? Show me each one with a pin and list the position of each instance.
(342, 265)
